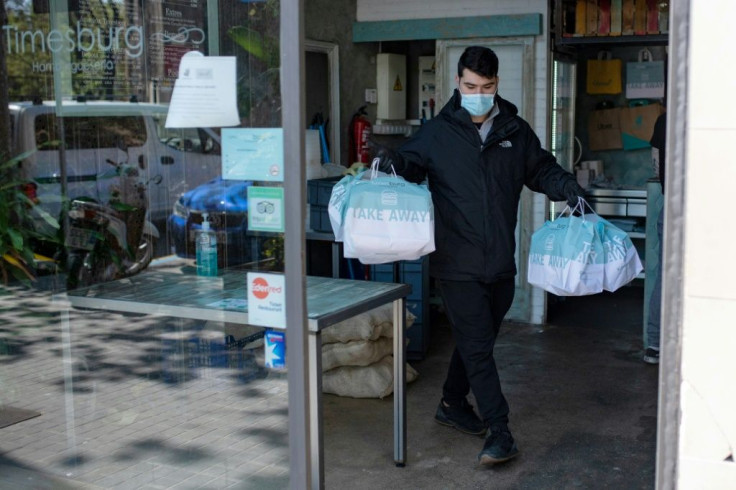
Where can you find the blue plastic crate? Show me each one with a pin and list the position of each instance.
(418, 265)
(319, 191)
(319, 219)
(418, 337)
(416, 281)
(417, 308)
(416, 274)
(382, 276)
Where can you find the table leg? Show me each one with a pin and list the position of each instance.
(315, 409)
(399, 383)
(336, 260)
(66, 349)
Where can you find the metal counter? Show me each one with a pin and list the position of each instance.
(328, 301)
(618, 202)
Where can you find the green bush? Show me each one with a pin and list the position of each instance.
(16, 224)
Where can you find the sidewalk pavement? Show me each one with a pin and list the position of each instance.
(150, 402)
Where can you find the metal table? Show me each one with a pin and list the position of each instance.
(329, 301)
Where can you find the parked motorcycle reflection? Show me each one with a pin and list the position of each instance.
(113, 240)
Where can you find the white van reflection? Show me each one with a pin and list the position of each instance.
(99, 131)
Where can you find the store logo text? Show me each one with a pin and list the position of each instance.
(129, 39)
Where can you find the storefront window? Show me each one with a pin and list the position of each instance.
(128, 360)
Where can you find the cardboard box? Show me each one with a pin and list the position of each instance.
(580, 17)
(640, 17)
(652, 17)
(604, 17)
(568, 18)
(591, 14)
(627, 17)
(615, 17)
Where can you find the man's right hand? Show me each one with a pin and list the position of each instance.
(388, 159)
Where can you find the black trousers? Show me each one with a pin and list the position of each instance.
(475, 311)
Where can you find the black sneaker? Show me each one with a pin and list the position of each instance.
(499, 447)
(461, 417)
(651, 356)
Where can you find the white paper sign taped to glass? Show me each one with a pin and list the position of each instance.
(388, 219)
(266, 300)
(253, 154)
(204, 94)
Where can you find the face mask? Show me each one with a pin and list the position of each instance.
(477, 104)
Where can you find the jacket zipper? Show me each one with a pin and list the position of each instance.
(495, 137)
(486, 197)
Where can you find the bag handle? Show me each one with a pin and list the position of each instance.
(604, 55)
(374, 168)
(579, 207)
(645, 53)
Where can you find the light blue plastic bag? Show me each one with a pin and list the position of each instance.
(338, 204)
(566, 258)
(620, 259)
(580, 255)
(387, 219)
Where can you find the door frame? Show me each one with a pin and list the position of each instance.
(333, 67)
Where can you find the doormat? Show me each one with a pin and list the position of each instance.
(12, 415)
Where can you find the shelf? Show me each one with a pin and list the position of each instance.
(637, 234)
(644, 40)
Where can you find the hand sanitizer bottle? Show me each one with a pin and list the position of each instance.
(206, 241)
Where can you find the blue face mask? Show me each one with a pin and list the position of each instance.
(477, 104)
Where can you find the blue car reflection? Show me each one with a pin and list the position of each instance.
(226, 205)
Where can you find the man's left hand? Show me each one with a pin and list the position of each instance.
(573, 193)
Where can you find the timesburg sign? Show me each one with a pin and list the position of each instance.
(128, 39)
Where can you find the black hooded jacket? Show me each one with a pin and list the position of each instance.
(476, 185)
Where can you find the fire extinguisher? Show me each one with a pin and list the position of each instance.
(360, 130)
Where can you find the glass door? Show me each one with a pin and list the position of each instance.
(152, 135)
(563, 112)
(564, 145)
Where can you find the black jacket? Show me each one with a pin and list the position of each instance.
(476, 186)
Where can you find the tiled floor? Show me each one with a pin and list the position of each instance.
(151, 402)
(139, 401)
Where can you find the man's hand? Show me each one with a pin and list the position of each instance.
(573, 192)
(387, 158)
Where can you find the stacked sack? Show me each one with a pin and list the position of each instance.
(357, 355)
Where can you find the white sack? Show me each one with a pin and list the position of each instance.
(370, 325)
(356, 352)
(373, 381)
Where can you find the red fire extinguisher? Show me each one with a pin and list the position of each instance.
(360, 130)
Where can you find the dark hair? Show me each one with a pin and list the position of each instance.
(480, 60)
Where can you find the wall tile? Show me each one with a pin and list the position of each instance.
(710, 86)
(710, 267)
(708, 368)
(696, 473)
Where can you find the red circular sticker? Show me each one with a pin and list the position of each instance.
(260, 288)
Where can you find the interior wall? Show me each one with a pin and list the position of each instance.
(332, 22)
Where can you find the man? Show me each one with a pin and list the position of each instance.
(477, 155)
(658, 142)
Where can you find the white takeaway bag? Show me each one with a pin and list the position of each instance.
(388, 219)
